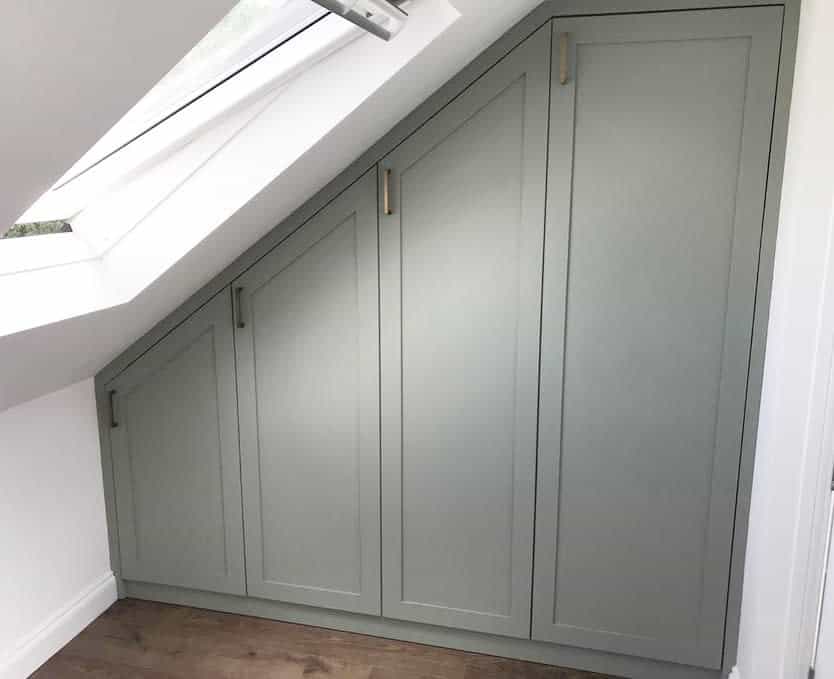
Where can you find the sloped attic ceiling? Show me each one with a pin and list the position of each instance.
(47, 356)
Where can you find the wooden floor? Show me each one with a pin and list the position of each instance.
(140, 639)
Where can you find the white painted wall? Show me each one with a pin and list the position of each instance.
(793, 462)
(54, 560)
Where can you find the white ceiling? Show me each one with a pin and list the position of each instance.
(71, 69)
(49, 357)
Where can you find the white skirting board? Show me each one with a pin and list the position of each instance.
(735, 674)
(66, 623)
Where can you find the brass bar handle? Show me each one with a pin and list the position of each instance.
(239, 322)
(386, 192)
(111, 395)
(563, 58)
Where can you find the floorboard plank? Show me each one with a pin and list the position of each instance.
(146, 640)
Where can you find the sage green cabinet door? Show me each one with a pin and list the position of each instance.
(659, 146)
(176, 461)
(308, 379)
(461, 257)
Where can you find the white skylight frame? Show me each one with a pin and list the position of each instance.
(283, 61)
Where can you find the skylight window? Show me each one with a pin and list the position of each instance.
(250, 30)
(256, 49)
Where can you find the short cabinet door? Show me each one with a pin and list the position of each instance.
(174, 442)
(660, 130)
(308, 376)
(461, 255)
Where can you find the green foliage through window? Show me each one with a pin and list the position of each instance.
(37, 229)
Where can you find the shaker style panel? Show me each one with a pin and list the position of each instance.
(461, 231)
(659, 139)
(174, 441)
(307, 337)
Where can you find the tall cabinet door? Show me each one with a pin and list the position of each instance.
(461, 254)
(659, 141)
(175, 458)
(308, 378)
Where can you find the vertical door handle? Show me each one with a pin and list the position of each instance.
(563, 58)
(386, 192)
(239, 322)
(111, 396)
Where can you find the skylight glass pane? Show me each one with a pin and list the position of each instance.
(251, 29)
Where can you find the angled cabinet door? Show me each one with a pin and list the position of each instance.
(308, 378)
(174, 441)
(461, 255)
(660, 135)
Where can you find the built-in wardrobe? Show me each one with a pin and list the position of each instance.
(494, 394)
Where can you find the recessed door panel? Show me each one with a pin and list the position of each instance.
(461, 275)
(176, 461)
(308, 377)
(658, 165)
